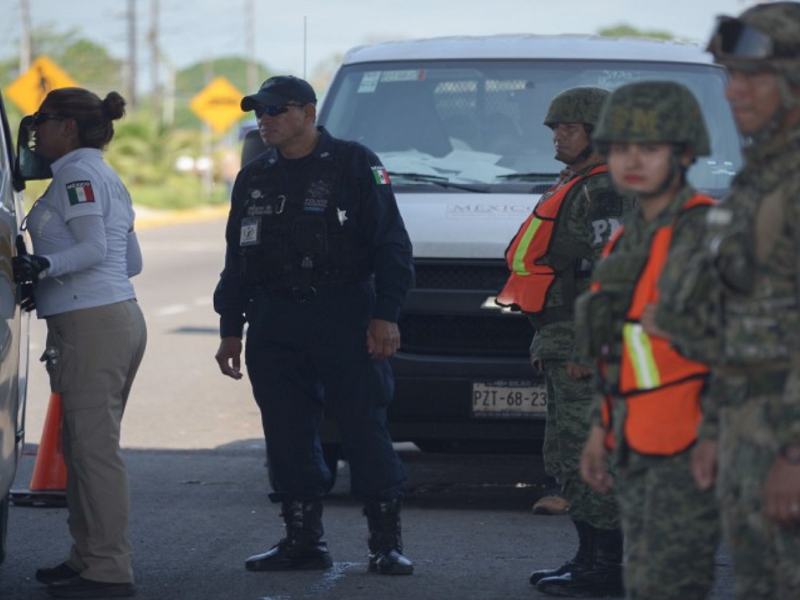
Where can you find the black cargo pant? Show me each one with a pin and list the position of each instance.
(305, 352)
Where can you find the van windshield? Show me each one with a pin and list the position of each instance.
(460, 124)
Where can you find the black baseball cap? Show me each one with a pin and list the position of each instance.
(279, 90)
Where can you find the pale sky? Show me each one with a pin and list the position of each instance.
(195, 30)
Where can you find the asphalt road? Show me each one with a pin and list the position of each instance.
(192, 441)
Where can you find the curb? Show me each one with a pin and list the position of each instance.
(147, 218)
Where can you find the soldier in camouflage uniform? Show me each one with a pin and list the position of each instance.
(747, 303)
(648, 410)
(551, 258)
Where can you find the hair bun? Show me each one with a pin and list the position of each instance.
(114, 106)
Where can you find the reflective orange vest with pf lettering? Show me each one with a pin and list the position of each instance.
(661, 387)
(530, 281)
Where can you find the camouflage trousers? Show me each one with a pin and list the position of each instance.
(766, 557)
(568, 403)
(671, 529)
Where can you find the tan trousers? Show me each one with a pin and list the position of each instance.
(93, 358)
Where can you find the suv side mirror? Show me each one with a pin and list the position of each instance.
(29, 165)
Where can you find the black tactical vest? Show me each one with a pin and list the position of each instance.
(291, 224)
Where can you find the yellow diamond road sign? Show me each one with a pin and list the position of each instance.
(30, 88)
(218, 104)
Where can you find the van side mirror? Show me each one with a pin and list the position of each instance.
(29, 165)
(253, 146)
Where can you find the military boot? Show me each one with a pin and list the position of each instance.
(302, 549)
(582, 557)
(600, 577)
(385, 541)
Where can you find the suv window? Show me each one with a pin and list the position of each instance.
(480, 122)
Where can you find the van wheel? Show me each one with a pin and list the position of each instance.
(331, 453)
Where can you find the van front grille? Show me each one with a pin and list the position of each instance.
(505, 335)
(484, 333)
(489, 276)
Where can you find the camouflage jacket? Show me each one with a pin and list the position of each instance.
(754, 236)
(591, 212)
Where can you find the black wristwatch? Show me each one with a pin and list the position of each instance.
(790, 453)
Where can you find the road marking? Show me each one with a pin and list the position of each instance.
(331, 577)
(168, 311)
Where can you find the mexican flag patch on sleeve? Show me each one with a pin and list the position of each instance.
(380, 175)
(80, 192)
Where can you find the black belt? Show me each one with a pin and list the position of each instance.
(306, 293)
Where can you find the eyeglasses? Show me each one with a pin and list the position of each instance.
(273, 111)
(43, 117)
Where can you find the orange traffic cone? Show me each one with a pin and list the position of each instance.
(49, 480)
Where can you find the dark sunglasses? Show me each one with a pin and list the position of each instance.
(273, 111)
(43, 117)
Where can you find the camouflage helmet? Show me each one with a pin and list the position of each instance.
(576, 105)
(765, 37)
(653, 111)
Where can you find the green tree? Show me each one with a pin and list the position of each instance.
(85, 61)
(90, 65)
(144, 151)
(144, 154)
(623, 30)
(192, 80)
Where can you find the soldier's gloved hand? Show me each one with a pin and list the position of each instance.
(28, 299)
(28, 266)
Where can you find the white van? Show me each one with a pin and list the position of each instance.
(458, 124)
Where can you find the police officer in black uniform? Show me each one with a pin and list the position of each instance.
(318, 264)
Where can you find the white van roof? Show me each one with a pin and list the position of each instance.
(547, 47)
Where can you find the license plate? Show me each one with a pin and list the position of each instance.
(509, 399)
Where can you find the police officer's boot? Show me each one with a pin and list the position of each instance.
(600, 578)
(582, 557)
(302, 549)
(385, 541)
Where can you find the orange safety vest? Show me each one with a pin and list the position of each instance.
(661, 387)
(530, 281)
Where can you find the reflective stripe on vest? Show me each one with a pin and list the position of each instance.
(529, 281)
(660, 386)
(638, 348)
